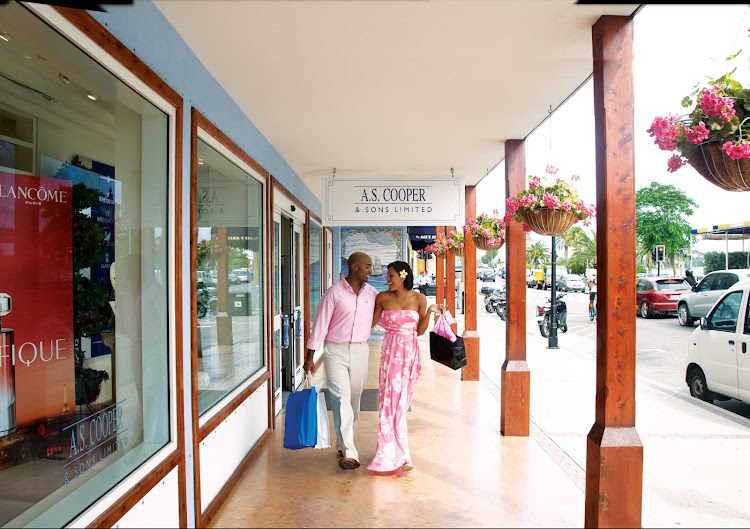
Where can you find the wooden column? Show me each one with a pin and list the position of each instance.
(471, 337)
(223, 319)
(516, 379)
(439, 274)
(450, 283)
(614, 458)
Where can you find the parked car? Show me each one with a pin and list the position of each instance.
(696, 303)
(659, 295)
(486, 275)
(242, 274)
(571, 283)
(718, 365)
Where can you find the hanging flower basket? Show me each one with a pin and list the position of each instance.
(486, 244)
(549, 222)
(715, 165)
(457, 252)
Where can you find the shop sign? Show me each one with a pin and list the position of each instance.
(228, 203)
(393, 201)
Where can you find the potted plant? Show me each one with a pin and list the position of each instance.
(439, 248)
(487, 232)
(549, 208)
(208, 251)
(714, 137)
(455, 242)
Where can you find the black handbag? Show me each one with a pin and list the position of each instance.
(450, 354)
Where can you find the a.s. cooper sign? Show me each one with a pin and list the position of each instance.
(393, 201)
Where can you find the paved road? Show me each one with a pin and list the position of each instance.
(661, 342)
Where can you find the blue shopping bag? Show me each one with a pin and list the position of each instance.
(301, 421)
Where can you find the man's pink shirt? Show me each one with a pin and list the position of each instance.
(343, 316)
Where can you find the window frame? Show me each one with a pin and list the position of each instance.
(711, 314)
(92, 39)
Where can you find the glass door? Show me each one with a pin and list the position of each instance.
(298, 282)
(277, 312)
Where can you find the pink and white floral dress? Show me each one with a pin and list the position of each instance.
(400, 368)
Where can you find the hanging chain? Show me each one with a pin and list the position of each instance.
(451, 172)
(550, 128)
(334, 172)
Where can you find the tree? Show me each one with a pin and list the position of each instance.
(584, 255)
(489, 256)
(718, 261)
(537, 254)
(569, 239)
(661, 211)
(238, 259)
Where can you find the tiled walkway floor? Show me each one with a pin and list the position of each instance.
(465, 474)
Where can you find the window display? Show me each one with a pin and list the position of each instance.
(84, 176)
(230, 276)
(316, 259)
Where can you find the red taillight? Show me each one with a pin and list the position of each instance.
(540, 311)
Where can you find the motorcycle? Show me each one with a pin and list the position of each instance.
(544, 316)
(501, 307)
(492, 300)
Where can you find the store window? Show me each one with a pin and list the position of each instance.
(84, 282)
(316, 267)
(230, 276)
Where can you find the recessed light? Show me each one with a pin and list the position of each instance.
(28, 57)
(91, 96)
(63, 79)
(200, 161)
(4, 36)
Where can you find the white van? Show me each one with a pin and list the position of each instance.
(718, 363)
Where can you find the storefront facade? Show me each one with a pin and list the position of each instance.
(160, 266)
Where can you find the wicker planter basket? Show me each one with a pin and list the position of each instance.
(551, 222)
(458, 252)
(715, 165)
(484, 244)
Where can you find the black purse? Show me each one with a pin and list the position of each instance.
(450, 354)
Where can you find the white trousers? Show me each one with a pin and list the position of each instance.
(346, 373)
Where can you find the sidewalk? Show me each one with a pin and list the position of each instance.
(696, 455)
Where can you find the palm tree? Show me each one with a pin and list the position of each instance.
(585, 252)
(537, 254)
(569, 239)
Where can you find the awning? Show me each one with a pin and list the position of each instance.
(421, 236)
(737, 231)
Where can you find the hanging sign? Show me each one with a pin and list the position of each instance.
(393, 201)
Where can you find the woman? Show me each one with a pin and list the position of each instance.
(404, 314)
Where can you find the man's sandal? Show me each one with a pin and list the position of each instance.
(348, 463)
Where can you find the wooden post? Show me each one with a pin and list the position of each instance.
(439, 274)
(471, 337)
(223, 319)
(614, 458)
(515, 382)
(450, 282)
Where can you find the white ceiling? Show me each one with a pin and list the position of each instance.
(407, 87)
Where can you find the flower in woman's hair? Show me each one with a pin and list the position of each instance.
(403, 274)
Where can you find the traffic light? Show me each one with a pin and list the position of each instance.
(658, 253)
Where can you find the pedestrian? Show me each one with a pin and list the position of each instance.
(422, 282)
(342, 323)
(690, 278)
(404, 315)
(592, 295)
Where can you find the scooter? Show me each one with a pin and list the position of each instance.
(544, 316)
(491, 300)
(502, 306)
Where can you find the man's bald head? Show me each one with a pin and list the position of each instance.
(360, 266)
(357, 258)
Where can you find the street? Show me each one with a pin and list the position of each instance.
(661, 342)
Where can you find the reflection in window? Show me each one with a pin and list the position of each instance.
(84, 348)
(230, 276)
(316, 258)
(724, 316)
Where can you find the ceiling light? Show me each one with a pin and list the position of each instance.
(91, 96)
(63, 79)
(29, 58)
(4, 36)
(200, 161)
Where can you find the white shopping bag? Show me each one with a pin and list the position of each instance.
(323, 429)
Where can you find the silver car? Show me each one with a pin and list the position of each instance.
(695, 304)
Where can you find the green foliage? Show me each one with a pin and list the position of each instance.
(584, 254)
(238, 259)
(537, 254)
(717, 261)
(660, 218)
(640, 269)
(88, 238)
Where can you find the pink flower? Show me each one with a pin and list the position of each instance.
(551, 169)
(475, 227)
(471, 221)
(511, 205)
(559, 181)
(495, 212)
(716, 105)
(508, 216)
(525, 227)
(535, 182)
(698, 134)
(486, 233)
(575, 178)
(449, 242)
(737, 150)
(566, 205)
(665, 130)
(467, 229)
(460, 245)
(551, 201)
(675, 162)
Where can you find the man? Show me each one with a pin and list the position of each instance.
(343, 321)
(422, 282)
(690, 278)
(592, 295)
